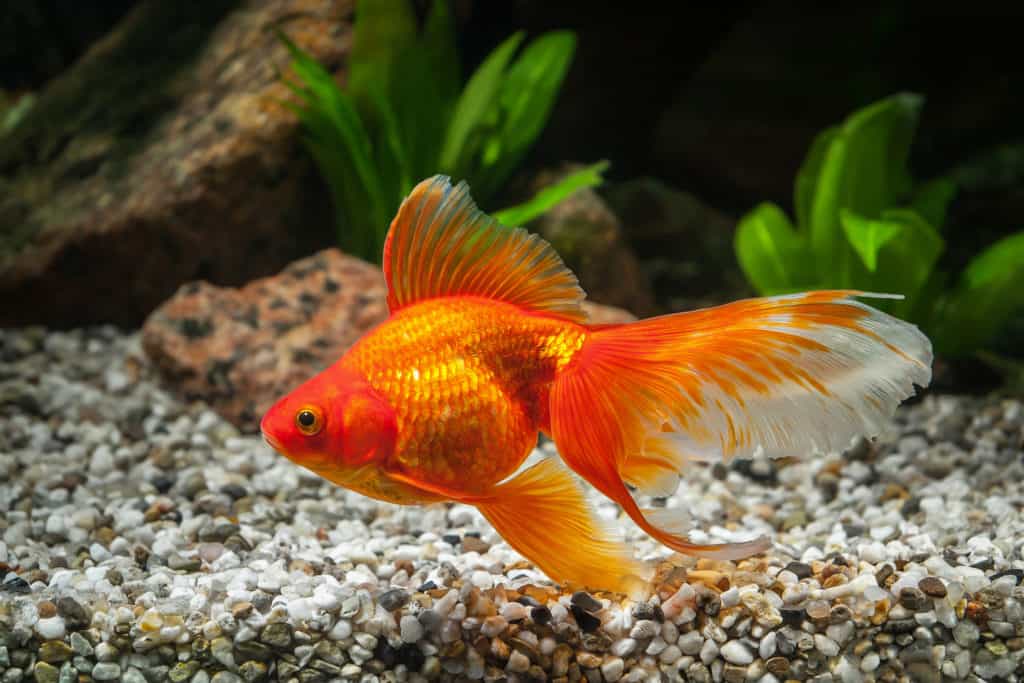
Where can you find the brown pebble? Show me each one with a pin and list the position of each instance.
(474, 544)
(835, 580)
(932, 586)
(779, 666)
(884, 572)
(588, 660)
(46, 609)
(241, 610)
(817, 609)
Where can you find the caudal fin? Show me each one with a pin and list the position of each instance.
(543, 514)
(785, 375)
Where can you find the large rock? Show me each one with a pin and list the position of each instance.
(163, 156)
(684, 245)
(240, 349)
(590, 238)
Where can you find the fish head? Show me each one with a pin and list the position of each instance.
(335, 424)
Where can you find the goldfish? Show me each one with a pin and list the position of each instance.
(487, 346)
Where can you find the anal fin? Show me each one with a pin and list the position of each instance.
(543, 514)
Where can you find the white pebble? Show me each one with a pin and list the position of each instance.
(411, 629)
(736, 652)
(51, 629)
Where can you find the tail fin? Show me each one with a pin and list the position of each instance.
(776, 376)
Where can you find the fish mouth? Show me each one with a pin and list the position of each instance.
(273, 443)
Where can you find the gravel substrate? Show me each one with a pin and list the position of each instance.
(144, 540)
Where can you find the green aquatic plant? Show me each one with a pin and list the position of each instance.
(863, 223)
(405, 115)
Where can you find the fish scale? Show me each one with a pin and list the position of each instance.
(469, 381)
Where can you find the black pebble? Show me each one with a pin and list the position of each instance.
(793, 616)
(17, 585)
(385, 653)
(235, 491)
(588, 623)
(540, 615)
(586, 601)
(1017, 574)
(411, 656)
(453, 539)
(428, 586)
(802, 571)
(393, 599)
(527, 600)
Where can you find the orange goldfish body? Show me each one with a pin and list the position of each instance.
(487, 345)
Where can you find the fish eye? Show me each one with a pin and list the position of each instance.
(308, 421)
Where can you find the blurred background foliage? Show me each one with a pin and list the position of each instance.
(711, 118)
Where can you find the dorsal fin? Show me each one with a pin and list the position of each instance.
(441, 244)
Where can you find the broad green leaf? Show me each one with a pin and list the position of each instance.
(989, 293)
(867, 236)
(879, 138)
(1002, 261)
(932, 199)
(527, 96)
(905, 261)
(833, 256)
(476, 103)
(807, 177)
(382, 30)
(545, 199)
(774, 256)
(863, 168)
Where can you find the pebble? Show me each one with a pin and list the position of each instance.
(227, 554)
(106, 671)
(393, 599)
(932, 586)
(411, 629)
(586, 602)
(736, 652)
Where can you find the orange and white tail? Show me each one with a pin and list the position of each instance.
(775, 376)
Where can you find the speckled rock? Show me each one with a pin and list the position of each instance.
(163, 165)
(240, 349)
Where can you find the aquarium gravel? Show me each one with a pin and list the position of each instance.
(143, 539)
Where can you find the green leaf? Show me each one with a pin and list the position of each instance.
(905, 261)
(475, 104)
(339, 143)
(807, 178)
(863, 168)
(382, 30)
(879, 139)
(867, 236)
(438, 46)
(550, 196)
(1001, 262)
(527, 96)
(774, 256)
(990, 291)
(932, 199)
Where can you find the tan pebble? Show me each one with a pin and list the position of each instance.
(835, 580)
(242, 610)
(818, 609)
(499, 649)
(46, 609)
(588, 660)
(881, 612)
